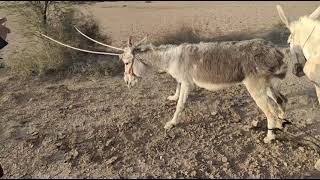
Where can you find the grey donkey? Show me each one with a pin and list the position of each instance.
(213, 66)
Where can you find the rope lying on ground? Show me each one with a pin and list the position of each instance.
(317, 143)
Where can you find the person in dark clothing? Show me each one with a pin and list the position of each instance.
(3, 36)
(3, 33)
(1, 171)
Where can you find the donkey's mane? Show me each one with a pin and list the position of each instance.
(164, 47)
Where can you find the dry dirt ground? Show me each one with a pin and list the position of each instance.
(90, 127)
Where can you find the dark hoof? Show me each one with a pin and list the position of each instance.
(286, 122)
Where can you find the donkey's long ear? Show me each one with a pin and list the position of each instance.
(144, 40)
(282, 16)
(130, 41)
(145, 47)
(315, 13)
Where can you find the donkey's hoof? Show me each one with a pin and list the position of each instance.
(172, 98)
(169, 125)
(280, 124)
(268, 140)
(286, 122)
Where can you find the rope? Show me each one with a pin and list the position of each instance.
(317, 143)
(308, 37)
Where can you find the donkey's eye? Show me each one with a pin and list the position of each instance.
(126, 63)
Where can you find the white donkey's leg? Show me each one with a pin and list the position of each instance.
(257, 88)
(175, 97)
(318, 92)
(184, 92)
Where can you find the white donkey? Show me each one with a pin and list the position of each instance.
(211, 66)
(304, 43)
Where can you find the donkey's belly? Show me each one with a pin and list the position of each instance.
(211, 86)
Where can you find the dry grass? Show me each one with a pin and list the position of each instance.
(278, 34)
(42, 58)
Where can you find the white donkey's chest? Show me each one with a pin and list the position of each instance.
(310, 45)
(312, 54)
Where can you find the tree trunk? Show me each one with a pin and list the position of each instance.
(45, 10)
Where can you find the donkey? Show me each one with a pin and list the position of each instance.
(213, 66)
(304, 43)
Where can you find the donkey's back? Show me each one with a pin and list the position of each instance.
(233, 61)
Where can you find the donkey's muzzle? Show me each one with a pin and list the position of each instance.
(298, 70)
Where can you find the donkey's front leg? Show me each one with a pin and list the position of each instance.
(277, 104)
(257, 88)
(175, 97)
(318, 92)
(184, 91)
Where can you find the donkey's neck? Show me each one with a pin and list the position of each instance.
(307, 31)
(305, 28)
(159, 57)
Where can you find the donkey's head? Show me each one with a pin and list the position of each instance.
(134, 66)
(292, 25)
(300, 33)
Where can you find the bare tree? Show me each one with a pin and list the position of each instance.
(42, 9)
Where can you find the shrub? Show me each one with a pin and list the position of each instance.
(43, 57)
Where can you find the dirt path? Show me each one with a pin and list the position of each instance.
(96, 127)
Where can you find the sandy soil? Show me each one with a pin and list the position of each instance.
(90, 127)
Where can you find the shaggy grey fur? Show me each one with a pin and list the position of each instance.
(219, 62)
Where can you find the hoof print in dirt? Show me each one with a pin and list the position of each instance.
(255, 124)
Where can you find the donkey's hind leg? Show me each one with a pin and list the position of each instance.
(175, 97)
(257, 88)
